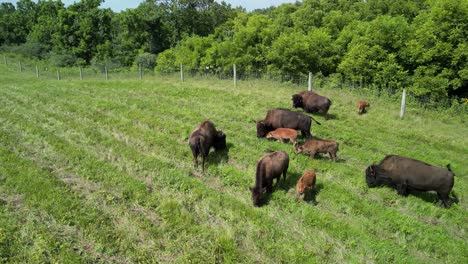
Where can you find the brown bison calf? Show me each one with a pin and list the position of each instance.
(269, 167)
(307, 181)
(361, 106)
(314, 146)
(282, 134)
(203, 138)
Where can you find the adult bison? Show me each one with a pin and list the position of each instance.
(284, 118)
(269, 167)
(203, 138)
(312, 102)
(406, 174)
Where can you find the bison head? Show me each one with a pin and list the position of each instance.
(376, 177)
(220, 140)
(262, 129)
(297, 101)
(301, 186)
(299, 149)
(257, 195)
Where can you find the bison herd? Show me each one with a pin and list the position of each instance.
(402, 173)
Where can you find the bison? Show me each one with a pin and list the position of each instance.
(269, 167)
(284, 118)
(406, 174)
(314, 146)
(361, 106)
(203, 138)
(282, 134)
(312, 102)
(307, 181)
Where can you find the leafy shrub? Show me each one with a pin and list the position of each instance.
(62, 59)
(146, 60)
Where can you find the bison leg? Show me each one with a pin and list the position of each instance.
(195, 158)
(312, 154)
(445, 199)
(332, 156)
(306, 133)
(269, 187)
(402, 189)
(203, 164)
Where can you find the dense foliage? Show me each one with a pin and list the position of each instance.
(389, 44)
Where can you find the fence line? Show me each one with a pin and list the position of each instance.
(316, 81)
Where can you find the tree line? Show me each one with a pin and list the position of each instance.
(420, 45)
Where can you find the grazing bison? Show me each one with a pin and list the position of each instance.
(307, 181)
(203, 138)
(312, 102)
(269, 167)
(406, 174)
(361, 106)
(284, 118)
(314, 146)
(282, 134)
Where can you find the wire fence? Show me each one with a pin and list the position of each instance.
(43, 71)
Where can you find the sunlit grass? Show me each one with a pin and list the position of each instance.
(107, 166)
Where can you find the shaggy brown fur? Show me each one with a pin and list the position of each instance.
(203, 138)
(361, 106)
(312, 102)
(314, 146)
(269, 167)
(283, 134)
(307, 181)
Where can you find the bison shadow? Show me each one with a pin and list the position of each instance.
(219, 156)
(324, 156)
(310, 195)
(320, 114)
(432, 197)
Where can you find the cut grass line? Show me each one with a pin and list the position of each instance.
(38, 224)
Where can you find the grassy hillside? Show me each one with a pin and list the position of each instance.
(101, 171)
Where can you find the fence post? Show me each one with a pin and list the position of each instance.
(310, 82)
(403, 104)
(37, 72)
(235, 75)
(81, 73)
(58, 75)
(181, 72)
(21, 67)
(107, 75)
(139, 71)
(4, 59)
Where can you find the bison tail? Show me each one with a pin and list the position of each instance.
(318, 123)
(450, 169)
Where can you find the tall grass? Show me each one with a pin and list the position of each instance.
(99, 170)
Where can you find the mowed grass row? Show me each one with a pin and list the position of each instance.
(128, 140)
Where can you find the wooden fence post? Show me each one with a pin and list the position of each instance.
(21, 67)
(107, 75)
(58, 75)
(4, 59)
(403, 104)
(310, 82)
(235, 75)
(181, 72)
(81, 73)
(139, 71)
(37, 72)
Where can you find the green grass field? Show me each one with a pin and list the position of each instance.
(100, 171)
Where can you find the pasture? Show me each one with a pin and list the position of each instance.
(100, 171)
